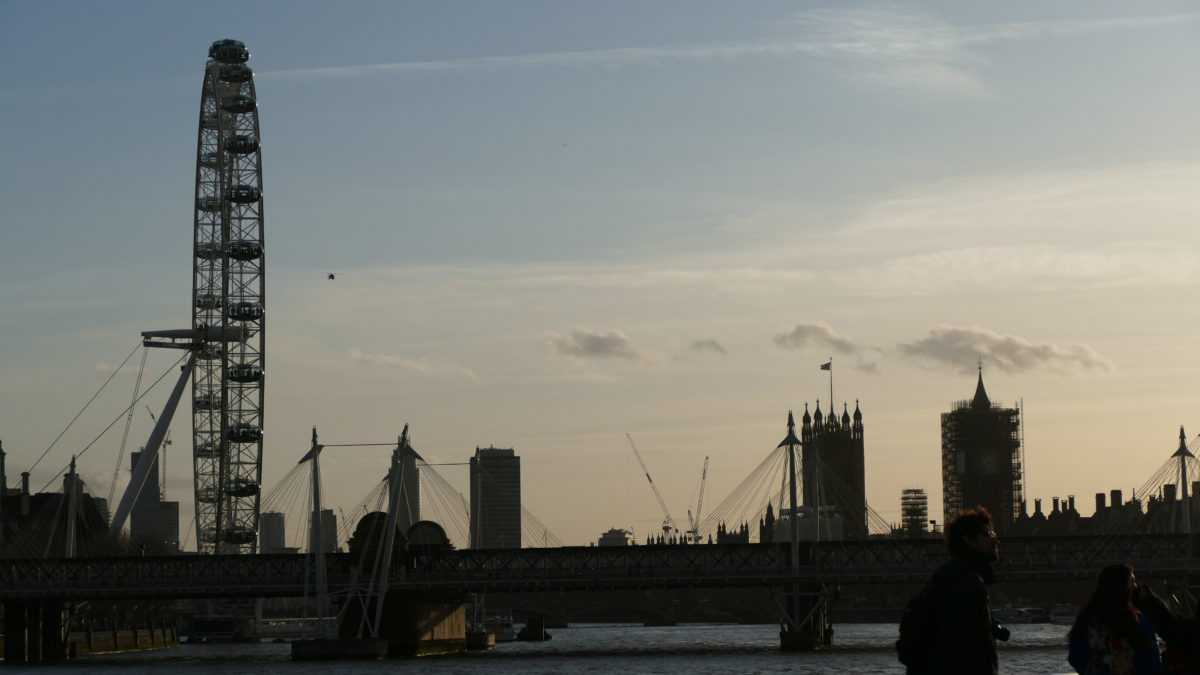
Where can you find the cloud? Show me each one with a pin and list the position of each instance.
(882, 47)
(586, 343)
(914, 50)
(816, 334)
(962, 348)
(1062, 230)
(707, 345)
(434, 367)
(868, 367)
(105, 369)
(607, 58)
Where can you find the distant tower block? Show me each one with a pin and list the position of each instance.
(914, 511)
(228, 292)
(982, 459)
(271, 532)
(495, 498)
(145, 518)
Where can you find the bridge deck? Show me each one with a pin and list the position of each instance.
(879, 561)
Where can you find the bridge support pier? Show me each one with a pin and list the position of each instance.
(807, 625)
(413, 624)
(33, 633)
(419, 624)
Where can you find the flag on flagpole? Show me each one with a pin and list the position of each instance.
(828, 365)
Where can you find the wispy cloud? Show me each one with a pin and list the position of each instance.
(879, 46)
(627, 56)
(1110, 227)
(586, 343)
(816, 335)
(962, 348)
(432, 367)
(916, 50)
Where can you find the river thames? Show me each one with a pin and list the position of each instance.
(694, 649)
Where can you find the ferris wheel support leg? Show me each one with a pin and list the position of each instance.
(146, 461)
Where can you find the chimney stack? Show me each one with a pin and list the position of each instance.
(25, 493)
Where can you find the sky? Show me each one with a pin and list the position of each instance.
(556, 223)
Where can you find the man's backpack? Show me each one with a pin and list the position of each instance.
(919, 626)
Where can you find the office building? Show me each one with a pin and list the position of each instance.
(329, 532)
(153, 523)
(495, 498)
(271, 532)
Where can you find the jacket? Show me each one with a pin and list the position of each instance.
(965, 643)
(1097, 651)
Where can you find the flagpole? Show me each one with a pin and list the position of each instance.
(831, 403)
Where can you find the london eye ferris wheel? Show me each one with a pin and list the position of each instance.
(228, 292)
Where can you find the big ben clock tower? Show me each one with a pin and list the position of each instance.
(982, 458)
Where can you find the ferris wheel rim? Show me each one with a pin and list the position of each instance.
(228, 291)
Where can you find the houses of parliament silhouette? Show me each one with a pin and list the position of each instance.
(983, 464)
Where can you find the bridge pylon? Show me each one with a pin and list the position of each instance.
(807, 624)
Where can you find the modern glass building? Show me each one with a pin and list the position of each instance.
(495, 498)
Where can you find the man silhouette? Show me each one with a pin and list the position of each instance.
(966, 636)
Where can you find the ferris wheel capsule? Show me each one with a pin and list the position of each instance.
(236, 73)
(208, 251)
(245, 311)
(209, 203)
(240, 145)
(244, 250)
(244, 373)
(229, 51)
(244, 194)
(238, 103)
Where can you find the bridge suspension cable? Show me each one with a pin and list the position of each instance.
(112, 487)
(111, 424)
(766, 484)
(748, 501)
(81, 410)
(440, 502)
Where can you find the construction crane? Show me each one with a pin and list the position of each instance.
(668, 525)
(694, 523)
(162, 488)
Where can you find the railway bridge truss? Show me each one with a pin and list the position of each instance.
(1166, 557)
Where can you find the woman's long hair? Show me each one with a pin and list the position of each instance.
(1112, 604)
